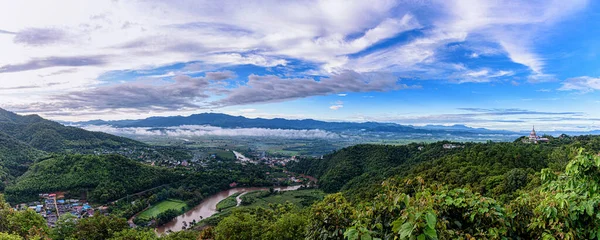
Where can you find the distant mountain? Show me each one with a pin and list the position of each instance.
(51, 136)
(463, 128)
(228, 121)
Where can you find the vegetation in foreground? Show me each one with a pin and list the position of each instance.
(563, 205)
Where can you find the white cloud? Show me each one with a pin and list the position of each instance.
(480, 73)
(336, 107)
(248, 110)
(342, 94)
(583, 84)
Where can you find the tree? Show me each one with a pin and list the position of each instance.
(181, 235)
(6, 236)
(65, 227)
(27, 223)
(99, 227)
(330, 218)
(135, 234)
(567, 206)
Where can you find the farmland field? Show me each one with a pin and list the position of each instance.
(162, 207)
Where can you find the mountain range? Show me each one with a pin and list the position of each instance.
(228, 121)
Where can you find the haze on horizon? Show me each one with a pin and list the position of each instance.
(493, 64)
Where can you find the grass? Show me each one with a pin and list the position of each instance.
(251, 197)
(301, 198)
(225, 154)
(228, 202)
(162, 207)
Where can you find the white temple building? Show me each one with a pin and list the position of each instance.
(534, 138)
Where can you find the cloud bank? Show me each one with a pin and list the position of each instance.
(198, 131)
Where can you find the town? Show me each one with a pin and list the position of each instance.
(53, 205)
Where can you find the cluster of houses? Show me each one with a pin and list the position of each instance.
(139, 153)
(51, 206)
(279, 161)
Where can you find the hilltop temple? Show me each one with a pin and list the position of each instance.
(534, 138)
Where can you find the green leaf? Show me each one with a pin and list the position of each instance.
(590, 208)
(431, 220)
(351, 233)
(396, 225)
(406, 230)
(366, 237)
(430, 232)
(421, 237)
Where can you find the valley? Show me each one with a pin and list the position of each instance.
(223, 186)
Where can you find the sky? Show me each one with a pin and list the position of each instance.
(493, 64)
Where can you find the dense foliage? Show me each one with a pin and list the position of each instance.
(105, 177)
(566, 205)
(276, 222)
(492, 169)
(15, 158)
(54, 137)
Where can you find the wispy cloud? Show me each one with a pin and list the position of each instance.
(513, 111)
(261, 89)
(183, 92)
(583, 84)
(41, 63)
(336, 107)
(40, 36)
(6, 32)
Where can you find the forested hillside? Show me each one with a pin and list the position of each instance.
(104, 177)
(365, 162)
(51, 136)
(15, 158)
(485, 168)
(481, 191)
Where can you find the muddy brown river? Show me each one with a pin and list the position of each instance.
(208, 207)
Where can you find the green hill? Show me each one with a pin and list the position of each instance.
(104, 177)
(51, 136)
(15, 158)
(483, 167)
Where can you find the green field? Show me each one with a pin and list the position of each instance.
(161, 207)
(301, 198)
(225, 154)
(228, 202)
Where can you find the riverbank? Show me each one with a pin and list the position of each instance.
(208, 207)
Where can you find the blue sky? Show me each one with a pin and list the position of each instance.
(494, 64)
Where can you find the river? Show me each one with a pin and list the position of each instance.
(208, 207)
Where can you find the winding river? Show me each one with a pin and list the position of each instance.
(208, 207)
